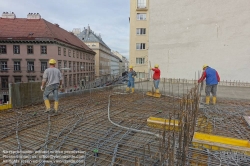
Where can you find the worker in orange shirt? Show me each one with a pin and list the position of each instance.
(156, 77)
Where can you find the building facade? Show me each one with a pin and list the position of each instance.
(25, 52)
(103, 53)
(123, 64)
(139, 36)
(184, 35)
(115, 63)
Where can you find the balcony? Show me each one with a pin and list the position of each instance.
(141, 8)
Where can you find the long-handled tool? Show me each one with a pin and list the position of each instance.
(152, 93)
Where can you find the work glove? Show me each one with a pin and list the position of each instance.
(60, 86)
(42, 88)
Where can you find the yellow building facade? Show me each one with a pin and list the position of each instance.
(139, 32)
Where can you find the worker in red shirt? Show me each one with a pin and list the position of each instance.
(212, 78)
(156, 77)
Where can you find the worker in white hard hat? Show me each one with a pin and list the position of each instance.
(156, 77)
(212, 78)
(131, 79)
(52, 77)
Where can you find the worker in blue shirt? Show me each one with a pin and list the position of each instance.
(131, 79)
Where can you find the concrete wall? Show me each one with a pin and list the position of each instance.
(185, 34)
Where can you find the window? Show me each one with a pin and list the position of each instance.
(30, 49)
(43, 49)
(81, 55)
(65, 81)
(69, 53)
(74, 79)
(5, 82)
(141, 16)
(17, 66)
(30, 66)
(70, 80)
(141, 3)
(73, 54)
(17, 79)
(74, 66)
(140, 46)
(16, 49)
(3, 49)
(31, 78)
(70, 65)
(43, 66)
(140, 75)
(65, 64)
(140, 31)
(81, 66)
(59, 50)
(4, 65)
(77, 66)
(140, 60)
(77, 54)
(64, 51)
(59, 64)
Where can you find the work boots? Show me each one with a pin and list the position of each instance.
(47, 105)
(56, 106)
(127, 89)
(133, 90)
(157, 91)
(207, 100)
(214, 100)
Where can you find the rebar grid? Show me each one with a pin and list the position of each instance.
(83, 124)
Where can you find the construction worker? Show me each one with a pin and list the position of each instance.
(156, 77)
(212, 79)
(131, 79)
(52, 77)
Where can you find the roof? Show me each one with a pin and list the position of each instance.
(87, 35)
(37, 29)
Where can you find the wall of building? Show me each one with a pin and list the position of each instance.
(114, 66)
(186, 34)
(134, 38)
(84, 64)
(102, 58)
(122, 66)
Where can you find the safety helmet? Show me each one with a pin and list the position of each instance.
(204, 66)
(131, 67)
(156, 65)
(52, 61)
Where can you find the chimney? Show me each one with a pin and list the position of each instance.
(10, 15)
(33, 16)
(57, 25)
(88, 31)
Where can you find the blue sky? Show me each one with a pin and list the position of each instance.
(110, 18)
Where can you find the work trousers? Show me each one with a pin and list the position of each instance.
(131, 83)
(51, 88)
(156, 83)
(211, 89)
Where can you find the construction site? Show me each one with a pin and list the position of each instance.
(113, 127)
